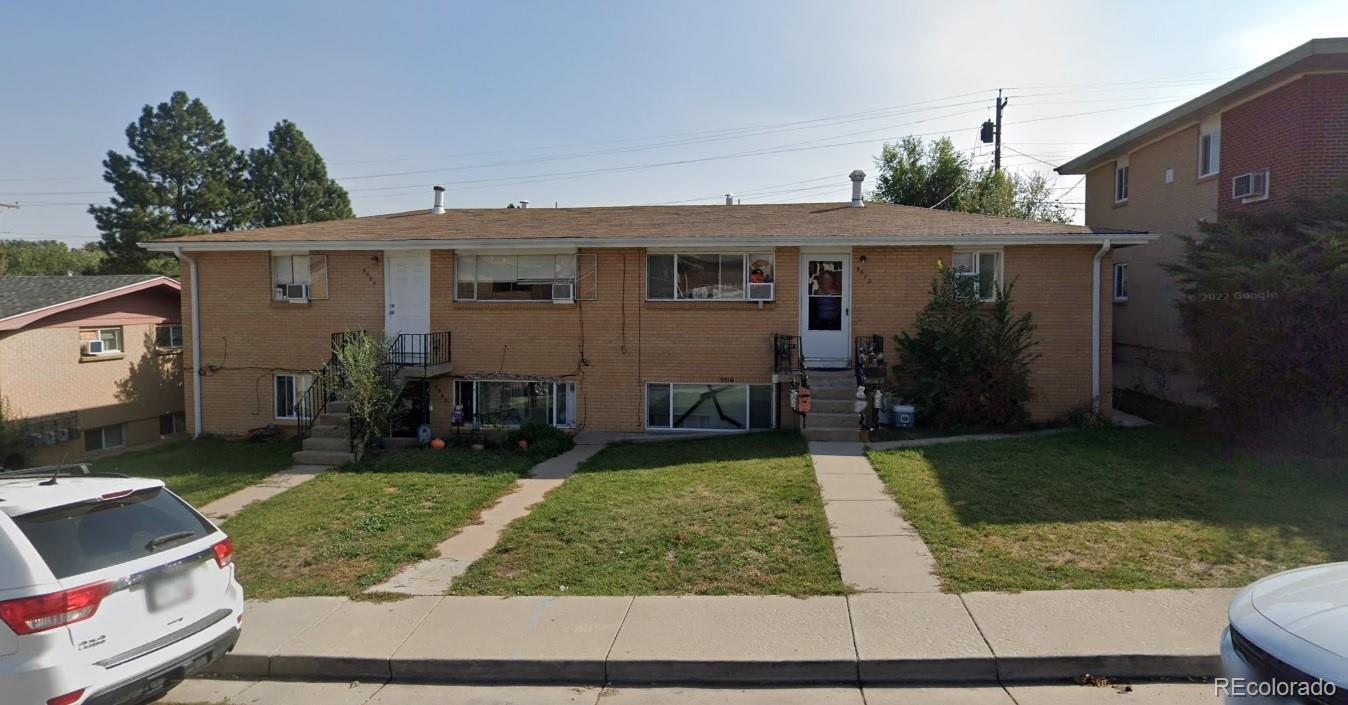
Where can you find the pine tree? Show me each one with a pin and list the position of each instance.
(182, 176)
(289, 182)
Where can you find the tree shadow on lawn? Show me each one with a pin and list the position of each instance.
(1136, 475)
(766, 446)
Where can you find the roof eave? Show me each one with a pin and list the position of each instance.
(1176, 116)
(20, 320)
(748, 243)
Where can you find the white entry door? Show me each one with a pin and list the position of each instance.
(825, 310)
(407, 299)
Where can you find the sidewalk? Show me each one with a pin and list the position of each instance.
(266, 488)
(455, 554)
(857, 639)
(877, 549)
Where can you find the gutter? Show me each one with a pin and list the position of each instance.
(196, 343)
(1095, 323)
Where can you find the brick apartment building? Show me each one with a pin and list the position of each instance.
(90, 365)
(622, 319)
(1271, 136)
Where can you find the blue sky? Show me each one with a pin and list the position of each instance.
(587, 103)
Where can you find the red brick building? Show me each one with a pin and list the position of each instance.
(1273, 135)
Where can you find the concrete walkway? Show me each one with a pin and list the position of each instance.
(239, 692)
(268, 487)
(434, 576)
(877, 549)
(742, 640)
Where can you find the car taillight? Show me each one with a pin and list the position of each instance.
(224, 553)
(29, 615)
(66, 699)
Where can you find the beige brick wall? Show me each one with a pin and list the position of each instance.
(626, 341)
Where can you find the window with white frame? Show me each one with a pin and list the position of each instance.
(978, 273)
(168, 336)
(710, 277)
(105, 437)
(1120, 281)
(1209, 151)
(709, 407)
(299, 277)
(288, 396)
(517, 402)
(1121, 180)
(556, 277)
(101, 341)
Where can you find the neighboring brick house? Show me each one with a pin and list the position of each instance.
(617, 319)
(90, 365)
(1262, 140)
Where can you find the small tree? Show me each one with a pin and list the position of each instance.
(964, 366)
(362, 378)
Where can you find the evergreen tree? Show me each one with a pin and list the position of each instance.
(182, 176)
(289, 182)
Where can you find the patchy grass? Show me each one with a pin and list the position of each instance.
(1114, 508)
(355, 526)
(733, 515)
(206, 469)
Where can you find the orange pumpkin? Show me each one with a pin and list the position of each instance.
(438, 443)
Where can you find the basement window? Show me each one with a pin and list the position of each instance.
(105, 437)
(289, 393)
(709, 407)
(512, 403)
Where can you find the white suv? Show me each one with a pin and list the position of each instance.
(112, 589)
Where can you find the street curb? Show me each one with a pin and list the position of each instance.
(724, 673)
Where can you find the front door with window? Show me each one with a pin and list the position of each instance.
(407, 298)
(825, 310)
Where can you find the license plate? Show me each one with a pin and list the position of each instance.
(166, 592)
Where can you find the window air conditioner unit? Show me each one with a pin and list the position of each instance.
(297, 292)
(1252, 184)
(760, 291)
(93, 347)
(63, 435)
(563, 291)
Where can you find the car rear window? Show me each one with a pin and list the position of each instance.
(78, 538)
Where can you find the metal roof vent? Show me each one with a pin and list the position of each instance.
(439, 206)
(730, 199)
(857, 177)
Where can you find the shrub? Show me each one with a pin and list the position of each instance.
(363, 378)
(1263, 305)
(965, 367)
(541, 440)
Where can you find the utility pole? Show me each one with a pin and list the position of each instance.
(997, 150)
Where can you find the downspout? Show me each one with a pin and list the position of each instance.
(196, 343)
(1095, 324)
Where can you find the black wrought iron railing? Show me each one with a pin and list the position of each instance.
(786, 354)
(424, 350)
(313, 401)
(868, 357)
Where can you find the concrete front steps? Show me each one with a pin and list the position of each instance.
(329, 442)
(833, 396)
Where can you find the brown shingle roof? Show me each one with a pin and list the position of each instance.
(746, 221)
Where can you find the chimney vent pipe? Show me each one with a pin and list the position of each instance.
(730, 199)
(524, 204)
(439, 200)
(857, 177)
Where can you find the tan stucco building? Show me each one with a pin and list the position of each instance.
(90, 365)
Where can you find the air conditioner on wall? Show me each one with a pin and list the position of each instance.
(1252, 184)
(563, 291)
(93, 347)
(297, 292)
(760, 291)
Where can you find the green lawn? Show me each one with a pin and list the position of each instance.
(206, 469)
(355, 526)
(1113, 508)
(733, 515)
